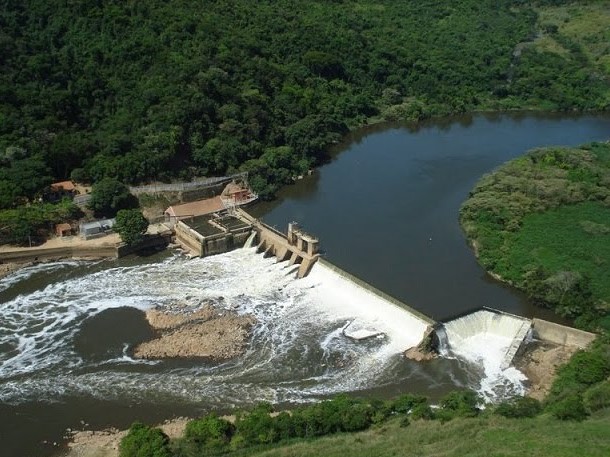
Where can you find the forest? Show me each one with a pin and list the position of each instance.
(144, 91)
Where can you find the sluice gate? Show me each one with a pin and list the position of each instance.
(225, 231)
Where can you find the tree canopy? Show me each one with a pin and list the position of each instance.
(131, 225)
(139, 91)
(108, 196)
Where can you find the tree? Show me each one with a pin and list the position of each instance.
(131, 225)
(144, 441)
(109, 196)
(211, 432)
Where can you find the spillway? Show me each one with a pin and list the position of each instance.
(297, 351)
(488, 340)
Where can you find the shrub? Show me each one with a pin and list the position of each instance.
(519, 407)
(461, 403)
(597, 397)
(422, 411)
(210, 432)
(380, 410)
(405, 403)
(584, 369)
(144, 441)
(255, 427)
(570, 407)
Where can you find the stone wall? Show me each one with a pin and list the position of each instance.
(188, 238)
(35, 255)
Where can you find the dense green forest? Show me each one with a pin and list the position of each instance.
(542, 223)
(157, 90)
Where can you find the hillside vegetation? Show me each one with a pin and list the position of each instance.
(139, 91)
(542, 223)
(405, 426)
(479, 437)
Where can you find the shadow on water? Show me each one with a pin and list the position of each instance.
(100, 338)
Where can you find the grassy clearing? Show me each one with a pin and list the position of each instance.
(569, 238)
(585, 24)
(484, 437)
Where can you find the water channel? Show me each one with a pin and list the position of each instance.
(385, 209)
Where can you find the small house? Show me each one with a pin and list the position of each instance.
(60, 190)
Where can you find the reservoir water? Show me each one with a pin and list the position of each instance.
(385, 209)
(386, 206)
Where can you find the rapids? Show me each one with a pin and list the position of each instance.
(297, 350)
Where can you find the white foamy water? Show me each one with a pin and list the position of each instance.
(483, 339)
(297, 349)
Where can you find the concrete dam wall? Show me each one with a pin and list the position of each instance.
(483, 326)
(482, 334)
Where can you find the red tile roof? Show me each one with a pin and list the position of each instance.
(66, 186)
(198, 208)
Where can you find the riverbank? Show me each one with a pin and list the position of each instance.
(61, 248)
(105, 443)
(541, 223)
(539, 363)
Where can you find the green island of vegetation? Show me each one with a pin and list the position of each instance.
(542, 223)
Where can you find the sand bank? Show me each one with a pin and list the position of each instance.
(200, 332)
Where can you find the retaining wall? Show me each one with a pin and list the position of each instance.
(561, 334)
(34, 255)
(188, 238)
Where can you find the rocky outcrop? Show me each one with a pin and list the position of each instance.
(426, 349)
(202, 332)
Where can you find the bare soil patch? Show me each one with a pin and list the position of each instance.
(539, 363)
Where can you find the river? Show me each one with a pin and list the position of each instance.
(385, 209)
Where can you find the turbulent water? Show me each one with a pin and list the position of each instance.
(50, 349)
(483, 339)
(298, 350)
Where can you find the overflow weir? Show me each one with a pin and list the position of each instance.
(233, 228)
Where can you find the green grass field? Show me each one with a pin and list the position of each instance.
(585, 24)
(484, 437)
(569, 238)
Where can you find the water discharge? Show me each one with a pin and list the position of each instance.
(483, 339)
(297, 350)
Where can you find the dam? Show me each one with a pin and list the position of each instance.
(229, 229)
(485, 336)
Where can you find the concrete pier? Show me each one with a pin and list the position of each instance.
(296, 246)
